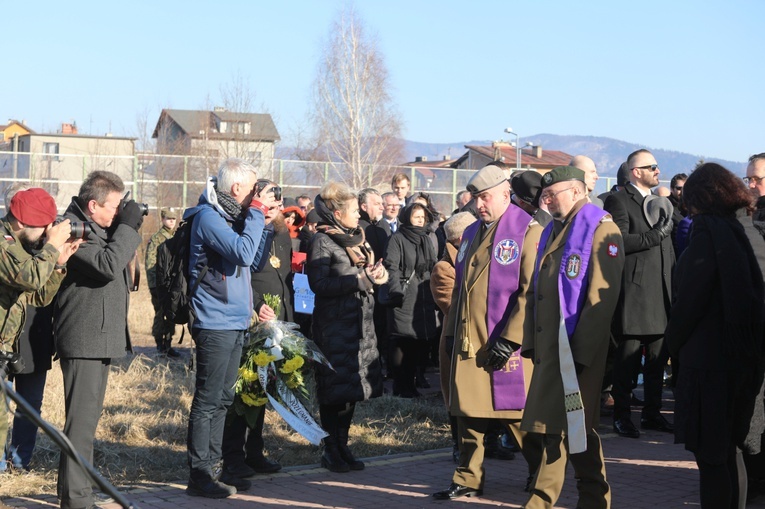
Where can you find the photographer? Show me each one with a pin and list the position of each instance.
(90, 318)
(33, 257)
(226, 239)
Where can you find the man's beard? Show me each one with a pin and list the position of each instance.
(32, 246)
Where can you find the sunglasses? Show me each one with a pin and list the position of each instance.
(652, 167)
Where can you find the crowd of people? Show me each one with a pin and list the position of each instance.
(541, 303)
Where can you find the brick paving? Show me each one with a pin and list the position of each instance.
(649, 472)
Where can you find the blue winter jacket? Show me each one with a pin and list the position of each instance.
(223, 299)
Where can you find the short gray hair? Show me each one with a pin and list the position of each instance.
(455, 225)
(234, 171)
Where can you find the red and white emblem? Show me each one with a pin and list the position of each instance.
(613, 250)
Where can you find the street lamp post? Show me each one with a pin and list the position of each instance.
(509, 130)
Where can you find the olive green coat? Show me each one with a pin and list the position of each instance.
(545, 411)
(470, 381)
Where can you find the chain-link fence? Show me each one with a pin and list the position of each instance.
(177, 181)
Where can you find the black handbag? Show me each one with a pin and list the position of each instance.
(384, 298)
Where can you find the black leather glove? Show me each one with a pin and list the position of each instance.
(664, 226)
(131, 215)
(498, 354)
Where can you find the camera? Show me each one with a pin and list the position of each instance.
(263, 183)
(80, 229)
(11, 363)
(143, 207)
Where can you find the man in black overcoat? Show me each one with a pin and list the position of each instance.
(641, 314)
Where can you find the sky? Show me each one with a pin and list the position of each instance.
(679, 75)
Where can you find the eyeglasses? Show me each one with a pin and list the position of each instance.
(652, 167)
(753, 180)
(546, 196)
(393, 205)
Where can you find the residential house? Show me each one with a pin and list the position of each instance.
(58, 162)
(217, 135)
(11, 129)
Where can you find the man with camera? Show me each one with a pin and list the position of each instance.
(226, 240)
(90, 318)
(33, 257)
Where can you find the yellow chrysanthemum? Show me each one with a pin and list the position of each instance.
(252, 400)
(247, 375)
(263, 358)
(292, 365)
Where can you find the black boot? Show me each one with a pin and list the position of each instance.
(331, 458)
(345, 451)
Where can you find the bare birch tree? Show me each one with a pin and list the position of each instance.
(355, 121)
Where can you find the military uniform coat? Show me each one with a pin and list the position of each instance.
(545, 411)
(24, 278)
(150, 263)
(471, 389)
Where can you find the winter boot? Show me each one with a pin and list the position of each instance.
(331, 458)
(345, 451)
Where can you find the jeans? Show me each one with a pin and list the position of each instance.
(24, 433)
(218, 354)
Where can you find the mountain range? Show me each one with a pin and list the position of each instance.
(607, 153)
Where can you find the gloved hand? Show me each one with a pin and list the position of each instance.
(663, 225)
(131, 215)
(498, 354)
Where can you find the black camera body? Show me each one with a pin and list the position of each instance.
(80, 229)
(11, 363)
(263, 183)
(143, 207)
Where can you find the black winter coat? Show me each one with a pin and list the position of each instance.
(416, 317)
(714, 396)
(91, 307)
(343, 326)
(645, 298)
(277, 281)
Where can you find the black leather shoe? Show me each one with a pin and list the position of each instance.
(658, 423)
(263, 465)
(625, 428)
(457, 491)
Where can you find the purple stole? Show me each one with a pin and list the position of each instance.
(508, 387)
(572, 277)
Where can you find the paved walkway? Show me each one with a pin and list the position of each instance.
(644, 473)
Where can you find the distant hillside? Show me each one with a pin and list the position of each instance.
(607, 153)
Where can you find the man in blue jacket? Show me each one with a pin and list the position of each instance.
(226, 239)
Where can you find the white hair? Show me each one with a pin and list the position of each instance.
(234, 171)
(455, 225)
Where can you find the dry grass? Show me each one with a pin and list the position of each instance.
(142, 433)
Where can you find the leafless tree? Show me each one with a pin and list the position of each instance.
(355, 121)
